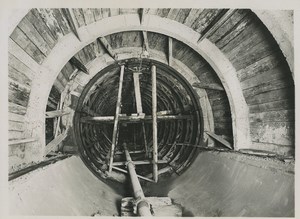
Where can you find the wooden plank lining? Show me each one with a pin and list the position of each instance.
(16, 108)
(18, 93)
(48, 17)
(24, 42)
(18, 76)
(19, 66)
(34, 36)
(41, 27)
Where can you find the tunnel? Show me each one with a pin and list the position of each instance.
(182, 112)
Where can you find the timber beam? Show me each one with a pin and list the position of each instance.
(210, 86)
(78, 64)
(116, 120)
(219, 139)
(146, 43)
(142, 12)
(138, 162)
(170, 50)
(154, 123)
(217, 24)
(68, 13)
(55, 142)
(57, 113)
(108, 47)
(134, 118)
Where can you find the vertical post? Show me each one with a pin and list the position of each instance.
(59, 107)
(143, 206)
(139, 108)
(116, 121)
(154, 123)
(170, 53)
(137, 92)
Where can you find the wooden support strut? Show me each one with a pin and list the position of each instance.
(116, 120)
(170, 51)
(139, 162)
(218, 24)
(143, 207)
(211, 86)
(56, 141)
(134, 118)
(139, 107)
(70, 18)
(146, 44)
(219, 139)
(76, 63)
(142, 12)
(108, 47)
(57, 113)
(154, 123)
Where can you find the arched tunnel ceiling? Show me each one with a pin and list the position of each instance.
(254, 58)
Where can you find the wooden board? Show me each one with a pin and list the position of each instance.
(16, 117)
(191, 16)
(18, 93)
(61, 21)
(163, 12)
(88, 16)
(204, 19)
(105, 12)
(18, 76)
(34, 36)
(25, 43)
(19, 66)
(114, 11)
(78, 13)
(182, 15)
(238, 29)
(265, 64)
(49, 19)
(268, 85)
(21, 141)
(254, 54)
(228, 25)
(173, 13)
(41, 27)
(273, 116)
(55, 142)
(16, 108)
(13, 135)
(274, 105)
(270, 96)
(97, 13)
(264, 132)
(16, 126)
(58, 86)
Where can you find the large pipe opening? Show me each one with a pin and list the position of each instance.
(177, 136)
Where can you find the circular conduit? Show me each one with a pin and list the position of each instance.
(175, 96)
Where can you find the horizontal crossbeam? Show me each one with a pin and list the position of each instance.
(56, 113)
(134, 118)
(138, 162)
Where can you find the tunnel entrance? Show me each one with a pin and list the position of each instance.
(178, 117)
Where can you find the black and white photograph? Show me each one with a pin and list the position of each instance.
(140, 111)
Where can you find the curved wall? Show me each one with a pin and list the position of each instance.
(43, 33)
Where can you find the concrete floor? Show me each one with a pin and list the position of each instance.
(65, 188)
(231, 184)
(217, 184)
